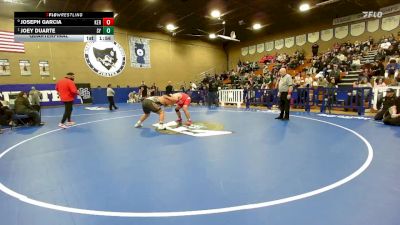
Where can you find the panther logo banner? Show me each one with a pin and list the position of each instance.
(106, 59)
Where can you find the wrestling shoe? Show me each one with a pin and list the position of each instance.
(70, 123)
(62, 125)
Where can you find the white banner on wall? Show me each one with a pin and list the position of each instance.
(357, 29)
(25, 67)
(252, 49)
(269, 46)
(289, 42)
(348, 19)
(44, 68)
(390, 23)
(245, 51)
(373, 25)
(260, 48)
(327, 34)
(279, 44)
(301, 39)
(4, 67)
(341, 32)
(313, 37)
(360, 16)
(390, 9)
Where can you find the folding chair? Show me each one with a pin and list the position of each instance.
(20, 119)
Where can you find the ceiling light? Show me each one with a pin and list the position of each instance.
(171, 27)
(256, 26)
(212, 36)
(215, 13)
(223, 22)
(304, 7)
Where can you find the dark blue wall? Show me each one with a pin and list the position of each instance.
(99, 95)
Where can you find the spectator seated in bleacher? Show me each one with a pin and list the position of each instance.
(6, 115)
(378, 68)
(335, 73)
(322, 82)
(392, 69)
(355, 63)
(247, 67)
(366, 74)
(23, 107)
(385, 44)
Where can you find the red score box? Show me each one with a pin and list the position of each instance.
(108, 21)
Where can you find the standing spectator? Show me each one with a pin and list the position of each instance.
(23, 107)
(370, 43)
(285, 88)
(331, 94)
(110, 97)
(143, 90)
(379, 83)
(67, 91)
(34, 97)
(153, 89)
(212, 92)
(169, 89)
(314, 49)
(193, 86)
(182, 88)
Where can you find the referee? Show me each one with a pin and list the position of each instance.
(285, 88)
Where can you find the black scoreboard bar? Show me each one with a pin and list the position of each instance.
(60, 30)
(56, 22)
(46, 15)
(66, 26)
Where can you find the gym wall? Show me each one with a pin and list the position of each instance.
(171, 59)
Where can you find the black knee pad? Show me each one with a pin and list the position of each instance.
(176, 110)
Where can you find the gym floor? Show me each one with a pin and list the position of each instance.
(311, 170)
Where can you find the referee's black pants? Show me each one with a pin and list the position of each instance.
(111, 102)
(284, 105)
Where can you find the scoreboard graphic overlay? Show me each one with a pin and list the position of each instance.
(64, 26)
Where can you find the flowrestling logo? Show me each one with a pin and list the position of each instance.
(107, 59)
(372, 14)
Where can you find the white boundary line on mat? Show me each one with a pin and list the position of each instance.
(336, 184)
